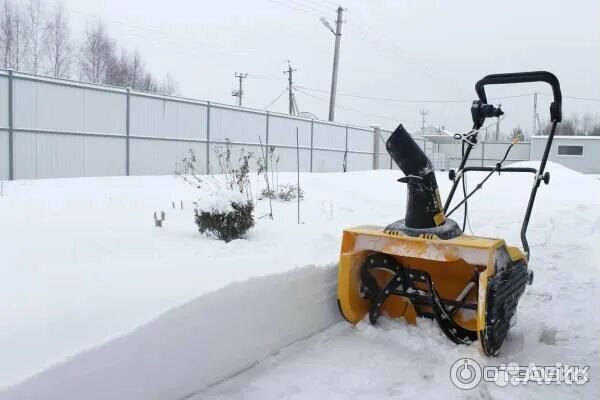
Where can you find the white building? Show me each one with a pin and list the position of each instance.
(580, 153)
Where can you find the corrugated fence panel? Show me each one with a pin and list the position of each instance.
(46, 106)
(282, 131)
(104, 156)
(162, 157)
(384, 157)
(3, 104)
(237, 125)
(360, 139)
(288, 159)
(329, 136)
(155, 117)
(3, 155)
(4, 174)
(359, 162)
(328, 161)
(62, 156)
(218, 167)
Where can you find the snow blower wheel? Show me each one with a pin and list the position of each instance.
(424, 265)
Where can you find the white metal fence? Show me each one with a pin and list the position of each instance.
(56, 128)
(51, 128)
(484, 154)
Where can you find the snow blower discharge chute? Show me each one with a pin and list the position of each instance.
(424, 265)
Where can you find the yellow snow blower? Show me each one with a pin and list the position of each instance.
(424, 265)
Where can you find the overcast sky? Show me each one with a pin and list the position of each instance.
(397, 49)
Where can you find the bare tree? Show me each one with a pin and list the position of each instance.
(12, 37)
(116, 68)
(168, 86)
(7, 34)
(35, 32)
(97, 54)
(588, 121)
(31, 41)
(20, 43)
(148, 83)
(57, 43)
(574, 126)
(136, 70)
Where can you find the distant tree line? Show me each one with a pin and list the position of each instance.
(36, 40)
(587, 125)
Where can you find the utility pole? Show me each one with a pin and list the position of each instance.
(290, 72)
(534, 114)
(336, 56)
(240, 92)
(423, 114)
(498, 125)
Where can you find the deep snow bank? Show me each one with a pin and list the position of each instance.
(82, 263)
(197, 344)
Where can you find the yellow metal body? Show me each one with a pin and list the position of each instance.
(452, 264)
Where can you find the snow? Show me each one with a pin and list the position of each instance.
(219, 201)
(396, 360)
(120, 309)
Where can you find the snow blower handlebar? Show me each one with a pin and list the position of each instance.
(480, 110)
(525, 77)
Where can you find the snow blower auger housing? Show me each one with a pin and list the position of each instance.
(424, 265)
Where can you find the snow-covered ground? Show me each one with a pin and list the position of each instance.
(88, 282)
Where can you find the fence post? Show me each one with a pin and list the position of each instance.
(267, 144)
(376, 136)
(11, 161)
(346, 151)
(127, 127)
(482, 152)
(208, 138)
(312, 132)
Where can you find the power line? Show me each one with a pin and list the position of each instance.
(135, 30)
(572, 97)
(264, 77)
(323, 5)
(296, 8)
(396, 119)
(307, 6)
(383, 39)
(275, 99)
(411, 100)
(330, 3)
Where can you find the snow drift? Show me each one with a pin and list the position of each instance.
(197, 344)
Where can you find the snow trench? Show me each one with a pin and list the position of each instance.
(198, 344)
